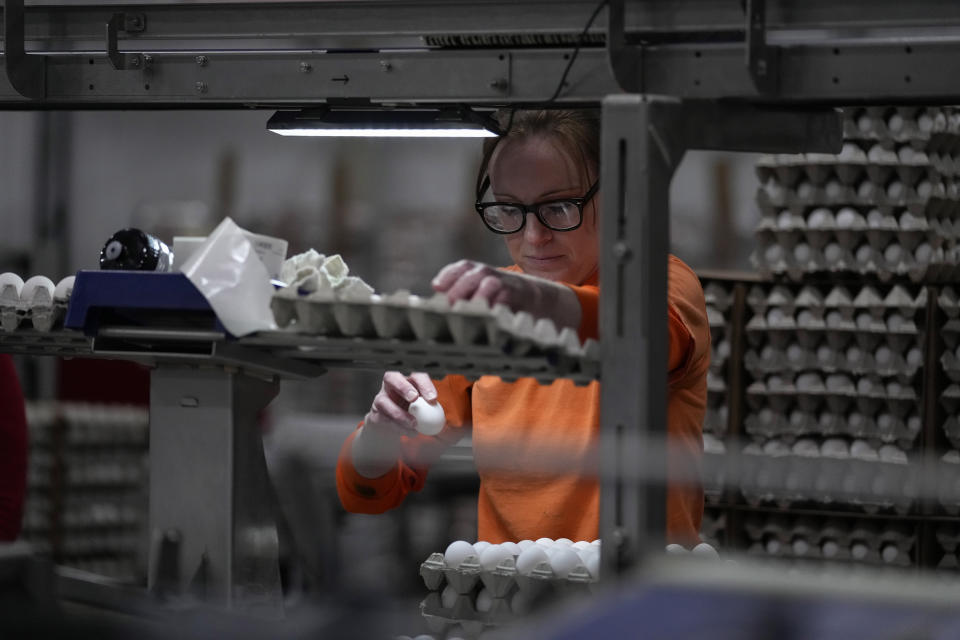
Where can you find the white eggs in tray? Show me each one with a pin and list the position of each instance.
(37, 300)
(457, 552)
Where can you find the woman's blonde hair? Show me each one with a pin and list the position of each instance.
(577, 131)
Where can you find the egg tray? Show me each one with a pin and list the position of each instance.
(503, 579)
(807, 538)
(786, 479)
(851, 227)
(41, 318)
(464, 325)
(878, 429)
(915, 125)
(810, 330)
(933, 265)
(795, 359)
(948, 536)
(836, 396)
(856, 162)
(878, 300)
(929, 198)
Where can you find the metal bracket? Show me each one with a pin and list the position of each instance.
(128, 23)
(26, 73)
(626, 61)
(763, 61)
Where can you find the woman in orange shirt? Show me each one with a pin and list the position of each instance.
(535, 446)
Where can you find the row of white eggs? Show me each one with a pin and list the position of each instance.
(839, 297)
(941, 266)
(880, 184)
(563, 555)
(898, 123)
(852, 254)
(837, 384)
(884, 361)
(38, 291)
(883, 426)
(838, 219)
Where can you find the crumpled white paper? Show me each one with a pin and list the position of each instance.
(230, 275)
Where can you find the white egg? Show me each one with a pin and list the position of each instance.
(545, 542)
(480, 546)
(524, 544)
(676, 549)
(596, 542)
(64, 288)
(484, 601)
(457, 552)
(528, 560)
(512, 547)
(566, 542)
(430, 416)
(493, 555)
(705, 550)
(448, 597)
(581, 544)
(593, 565)
(564, 561)
(37, 292)
(10, 287)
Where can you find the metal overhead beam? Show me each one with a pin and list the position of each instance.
(483, 51)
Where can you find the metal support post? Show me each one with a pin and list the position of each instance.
(643, 142)
(636, 170)
(212, 507)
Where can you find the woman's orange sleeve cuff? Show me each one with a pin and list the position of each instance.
(359, 494)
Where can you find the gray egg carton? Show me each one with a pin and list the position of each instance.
(902, 124)
(877, 429)
(831, 540)
(43, 313)
(879, 301)
(948, 474)
(884, 362)
(404, 317)
(783, 477)
(835, 393)
(503, 579)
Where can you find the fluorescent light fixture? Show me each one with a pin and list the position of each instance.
(386, 123)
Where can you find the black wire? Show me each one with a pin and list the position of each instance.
(576, 50)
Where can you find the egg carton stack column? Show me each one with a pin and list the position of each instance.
(86, 490)
(887, 206)
(719, 296)
(948, 476)
(836, 352)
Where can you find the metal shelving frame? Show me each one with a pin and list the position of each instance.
(670, 76)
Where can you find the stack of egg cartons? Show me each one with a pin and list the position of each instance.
(719, 299)
(888, 205)
(836, 348)
(834, 401)
(86, 491)
(948, 477)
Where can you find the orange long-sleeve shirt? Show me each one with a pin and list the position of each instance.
(535, 445)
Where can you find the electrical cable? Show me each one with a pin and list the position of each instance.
(576, 50)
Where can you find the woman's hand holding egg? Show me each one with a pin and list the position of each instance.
(542, 298)
(376, 446)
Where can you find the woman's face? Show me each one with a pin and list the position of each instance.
(537, 169)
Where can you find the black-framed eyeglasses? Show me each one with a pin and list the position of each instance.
(562, 214)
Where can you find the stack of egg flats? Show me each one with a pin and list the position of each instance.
(834, 395)
(887, 205)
